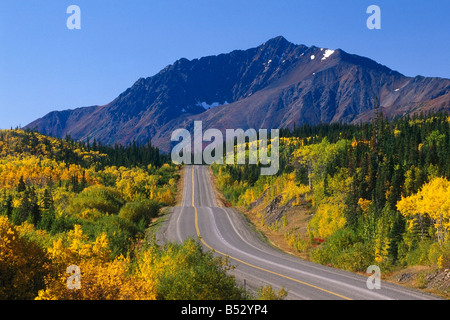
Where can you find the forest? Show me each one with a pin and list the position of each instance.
(377, 193)
(73, 221)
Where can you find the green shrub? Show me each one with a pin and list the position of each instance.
(63, 223)
(444, 259)
(120, 232)
(355, 258)
(141, 211)
(421, 280)
(434, 253)
(196, 275)
(419, 254)
(345, 250)
(104, 199)
(268, 293)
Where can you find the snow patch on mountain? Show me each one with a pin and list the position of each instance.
(327, 53)
(208, 106)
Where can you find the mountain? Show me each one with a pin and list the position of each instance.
(273, 85)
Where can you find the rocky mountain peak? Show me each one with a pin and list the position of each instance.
(273, 85)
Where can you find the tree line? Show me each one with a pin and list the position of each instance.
(356, 177)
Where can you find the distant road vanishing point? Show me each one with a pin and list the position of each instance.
(227, 233)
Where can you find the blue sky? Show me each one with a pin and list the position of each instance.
(44, 66)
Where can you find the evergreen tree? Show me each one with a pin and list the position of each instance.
(47, 199)
(34, 216)
(21, 185)
(7, 206)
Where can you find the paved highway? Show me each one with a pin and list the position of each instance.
(227, 233)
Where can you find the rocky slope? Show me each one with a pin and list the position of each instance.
(273, 85)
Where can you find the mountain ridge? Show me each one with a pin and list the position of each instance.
(275, 84)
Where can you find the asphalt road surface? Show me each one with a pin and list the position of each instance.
(257, 263)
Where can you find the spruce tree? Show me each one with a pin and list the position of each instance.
(21, 185)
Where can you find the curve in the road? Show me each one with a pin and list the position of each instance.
(246, 263)
(225, 232)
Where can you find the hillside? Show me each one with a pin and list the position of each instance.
(73, 221)
(379, 195)
(275, 85)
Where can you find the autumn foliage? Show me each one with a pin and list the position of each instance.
(378, 192)
(432, 203)
(73, 218)
(23, 264)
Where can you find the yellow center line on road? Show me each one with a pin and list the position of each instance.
(246, 263)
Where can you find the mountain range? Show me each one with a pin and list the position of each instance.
(277, 84)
